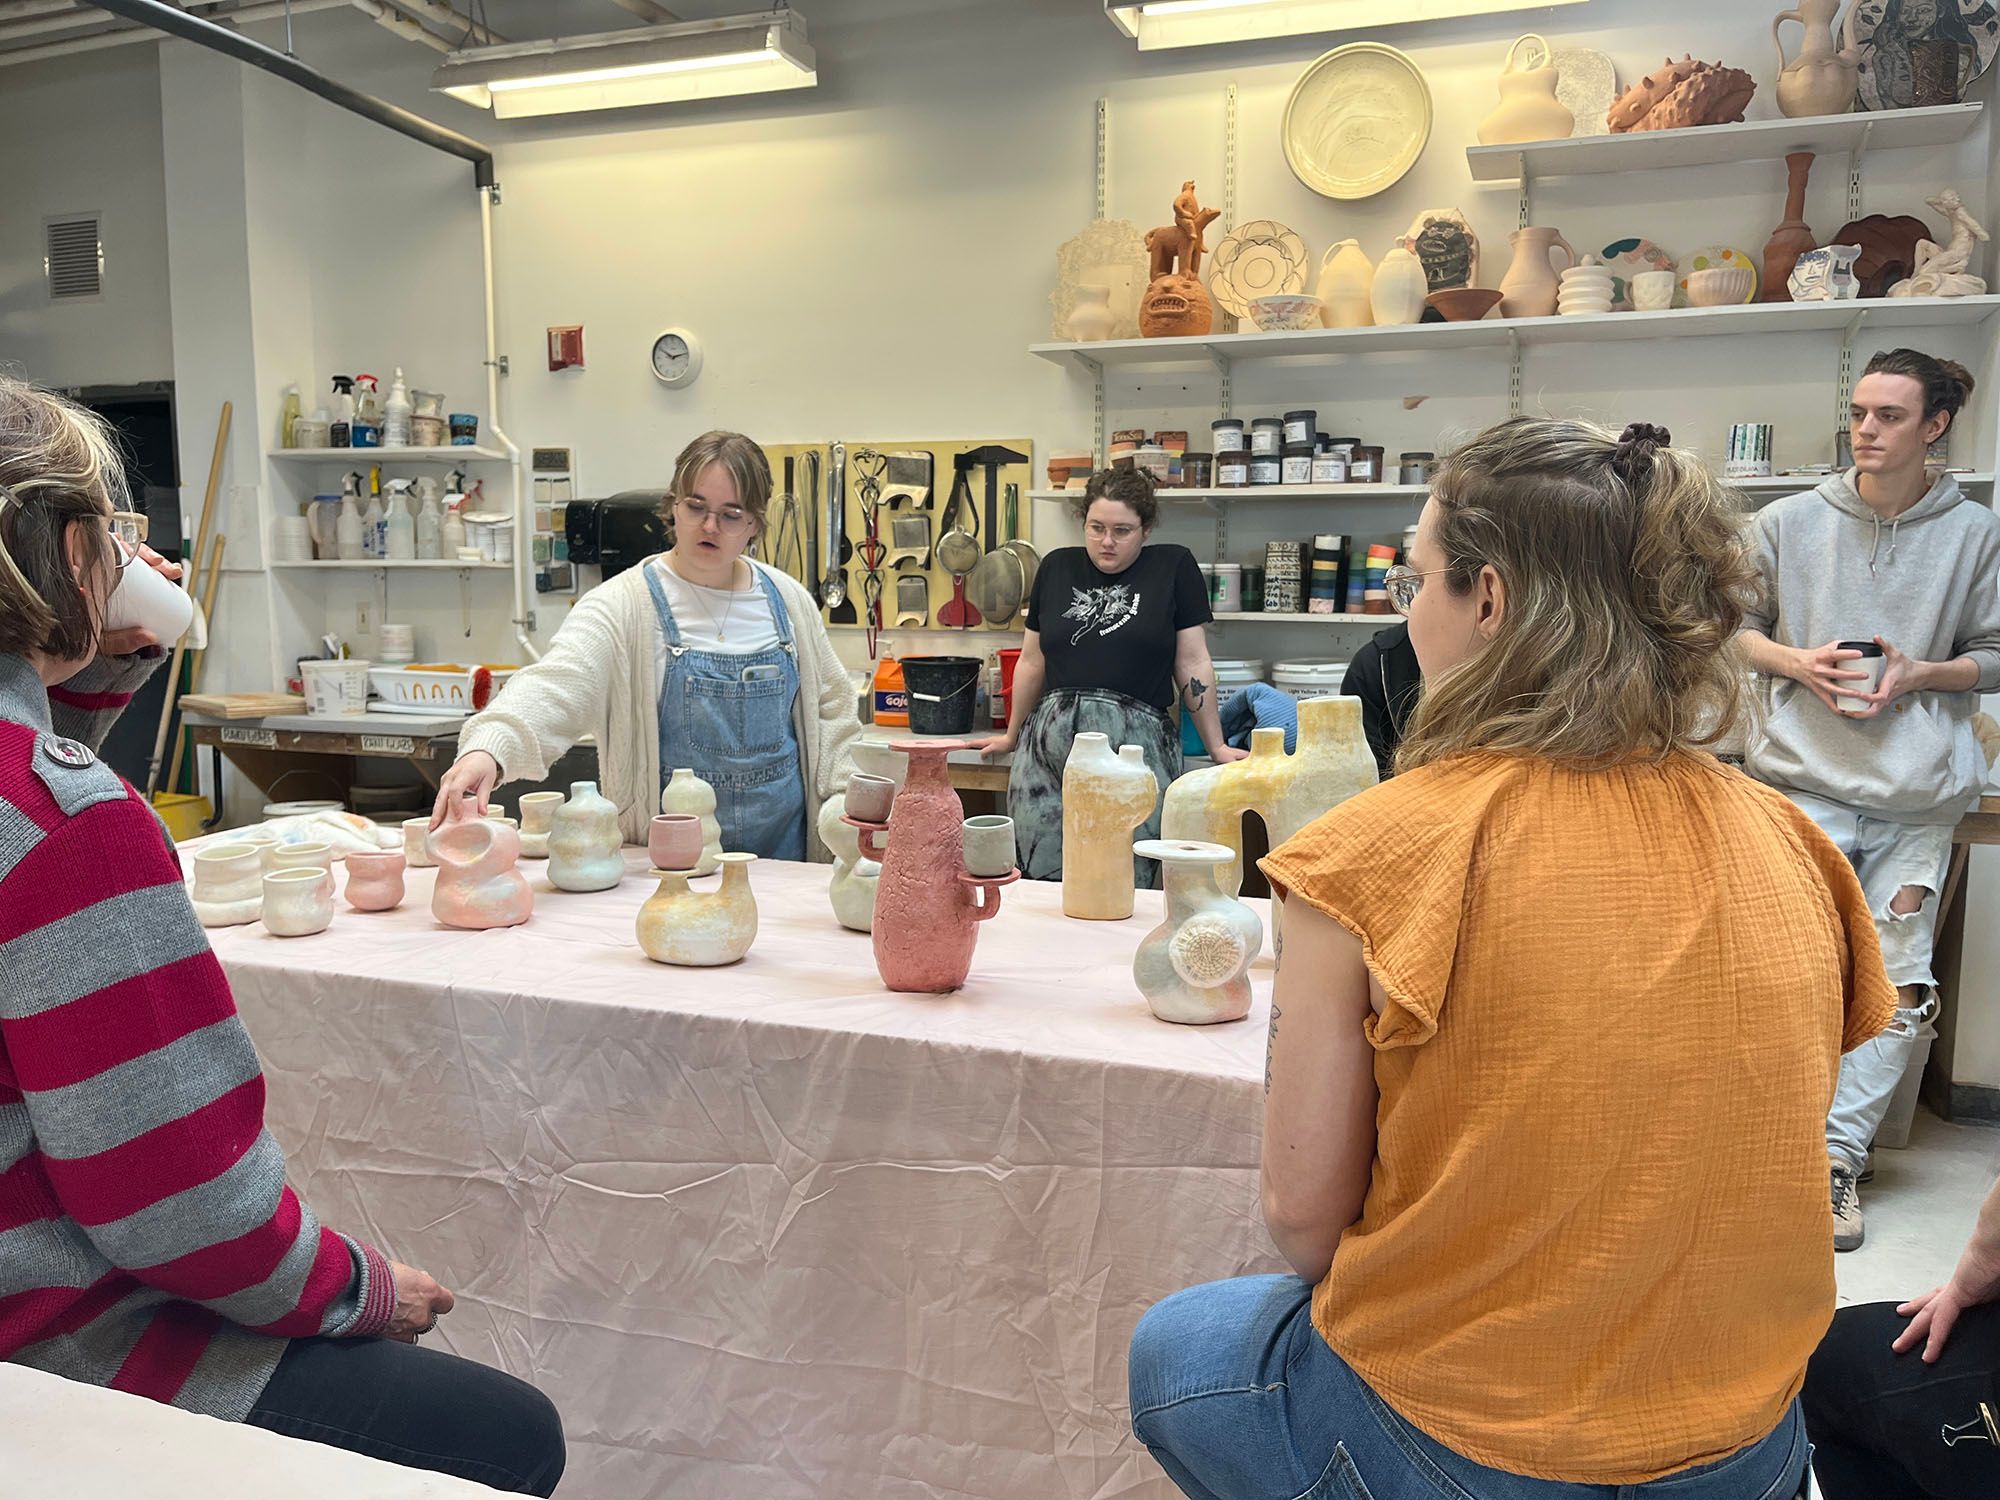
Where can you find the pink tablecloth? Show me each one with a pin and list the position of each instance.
(771, 1231)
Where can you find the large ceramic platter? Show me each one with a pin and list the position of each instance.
(1259, 259)
(1357, 120)
(1886, 30)
(1109, 252)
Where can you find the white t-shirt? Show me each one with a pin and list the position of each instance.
(729, 622)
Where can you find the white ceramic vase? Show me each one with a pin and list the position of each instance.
(1346, 279)
(855, 876)
(228, 885)
(585, 848)
(1104, 797)
(1528, 109)
(1194, 968)
(1092, 318)
(538, 820)
(700, 930)
(1396, 296)
(1586, 289)
(686, 792)
(298, 901)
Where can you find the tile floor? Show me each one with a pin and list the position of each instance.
(1920, 1210)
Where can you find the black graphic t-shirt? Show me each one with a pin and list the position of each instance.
(1117, 630)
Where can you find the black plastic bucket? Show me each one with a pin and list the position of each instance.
(943, 692)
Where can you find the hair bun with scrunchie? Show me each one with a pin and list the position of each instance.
(1633, 460)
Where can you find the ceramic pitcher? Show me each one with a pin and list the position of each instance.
(1104, 797)
(1398, 291)
(1821, 80)
(584, 846)
(1528, 109)
(1346, 276)
(1530, 287)
(1194, 968)
(686, 792)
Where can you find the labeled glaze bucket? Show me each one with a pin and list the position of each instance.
(942, 692)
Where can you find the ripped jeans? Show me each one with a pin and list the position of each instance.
(1886, 857)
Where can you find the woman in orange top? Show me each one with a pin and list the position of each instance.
(1560, 1014)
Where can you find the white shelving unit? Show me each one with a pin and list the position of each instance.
(1776, 484)
(1241, 617)
(351, 456)
(377, 564)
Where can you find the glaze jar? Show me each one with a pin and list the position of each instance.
(1267, 437)
(1296, 467)
(1227, 435)
(1266, 469)
(1197, 471)
(1232, 471)
(1300, 428)
(1366, 467)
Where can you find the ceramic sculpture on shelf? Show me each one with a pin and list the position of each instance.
(298, 901)
(1793, 237)
(1194, 968)
(1105, 796)
(1586, 289)
(1942, 269)
(1396, 295)
(538, 820)
(228, 885)
(1530, 289)
(1677, 95)
(479, 884)
(1446, 247)
(1330, 764)
(927, 908)
(1092, 319)
(1176, 303)
(375, 880)
(852, 889)
(585, 847)
(686, 792)
(1528, 109)
(1345, 280)
(700, 929)
(1823, 79)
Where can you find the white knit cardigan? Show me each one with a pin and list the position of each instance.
(599, 678)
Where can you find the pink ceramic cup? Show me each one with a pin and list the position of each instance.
(375, 880)
(673, 841)
(869, 797)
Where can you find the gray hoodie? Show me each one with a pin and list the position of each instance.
(1928, 583)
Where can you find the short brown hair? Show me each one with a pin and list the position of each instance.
(1128, 485)
(741, 458)
(58, 465)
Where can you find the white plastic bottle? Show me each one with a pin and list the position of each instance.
(430, 531)
(288, 414)
(396, 411)
(372, 523)
(454, 526)
(347, 531)
(399, 530)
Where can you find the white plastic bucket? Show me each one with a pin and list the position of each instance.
(1893, 1134)
(1309, 677)
(1233, 674)
(335, 687)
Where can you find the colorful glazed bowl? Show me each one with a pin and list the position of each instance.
(1285, 312)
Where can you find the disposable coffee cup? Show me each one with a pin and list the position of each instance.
(144, 600)
(1872, 662)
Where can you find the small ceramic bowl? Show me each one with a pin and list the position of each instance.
(1721, 286)
(1285, 312)
(1465, 304)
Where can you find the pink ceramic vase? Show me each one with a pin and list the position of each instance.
(927, 909)
(375, 880)
(478, 885)
(674, 841)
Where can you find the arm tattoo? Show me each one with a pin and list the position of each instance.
(1270, 1047)
(1196, 690)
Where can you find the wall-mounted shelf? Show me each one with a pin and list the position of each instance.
(377, 564)
(387, 455)
(1718, 145)
(1168, 495)
(1791, 484)
(1244, 618)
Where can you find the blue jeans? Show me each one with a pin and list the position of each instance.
(1239, 1398)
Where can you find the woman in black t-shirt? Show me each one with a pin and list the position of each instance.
(1114, 643)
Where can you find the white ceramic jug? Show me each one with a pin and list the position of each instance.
(1398, 291)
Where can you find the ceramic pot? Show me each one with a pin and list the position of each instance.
(228, 885)
(375, 881)
(1721, 286)
(927, 909)
(1443, 242)
(673, 841)
(417, 843)
(1092, 318)
(700, 930)
(852, 889)
(1586, 289)
(1528, 109)
(585, 849)
(1464, 304)
(1791, 239)
(538, 819)
(1346, 277)
(298, 856)
(1653, 291)
(1822, 79)
(1529, 288)
(478, 884)
(989, 846)
(1194, 968)
(686, 792)
(298, 901)
(1105, 795)
(1397, 293)
(869, 797)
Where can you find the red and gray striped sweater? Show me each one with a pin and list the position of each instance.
(148, 1241)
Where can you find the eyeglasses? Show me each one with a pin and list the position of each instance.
(1097, 531)
(1404, 584)
(129, 530)
(694, 516)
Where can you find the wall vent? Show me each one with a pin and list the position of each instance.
(74, 261)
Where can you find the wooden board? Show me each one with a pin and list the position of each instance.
(242, 705)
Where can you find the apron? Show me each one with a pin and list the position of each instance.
(737, 735)
(1034, 783)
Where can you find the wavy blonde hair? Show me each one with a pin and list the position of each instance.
(1626, 575)
(59, 465)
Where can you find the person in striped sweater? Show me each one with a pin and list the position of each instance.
(148, 1239)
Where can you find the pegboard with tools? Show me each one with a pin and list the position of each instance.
(888, 536)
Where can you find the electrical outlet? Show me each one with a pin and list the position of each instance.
(364, 618)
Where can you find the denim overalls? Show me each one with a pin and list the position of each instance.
(737, 736)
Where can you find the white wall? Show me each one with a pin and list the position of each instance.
(82, 134)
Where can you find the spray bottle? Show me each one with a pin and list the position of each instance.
(372, 519)
(348, 530)
(341, 434)
(452, 541)
(396, 414)
(399, 532)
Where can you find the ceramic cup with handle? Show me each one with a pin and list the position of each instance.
(989, 846)
(1871, 661)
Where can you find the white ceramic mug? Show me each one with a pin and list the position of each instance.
(989, 846)
(1653, 291)
(143, 600)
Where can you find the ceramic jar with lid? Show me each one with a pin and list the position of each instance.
(1418, 468)
(1232, 470)
(1226, 434)
(1366, 465)
(1296, 465)
(1267, 437)
(1267, 468)
(1301, 428)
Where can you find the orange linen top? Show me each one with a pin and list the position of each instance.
(1597, 1244)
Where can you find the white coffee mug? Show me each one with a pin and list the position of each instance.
(1653, 291)
(143, 600)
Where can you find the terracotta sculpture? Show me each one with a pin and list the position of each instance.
(538, 820)
(1194, 968)
(1104, 797)
(585, 850)
(478, 884)
(375, 880)
(927, 909)
(686, 792)
(700, 929)
(1680, 94)
(1941, 269)
(1821, 80)
(228, 885)
(1888, 249)
(1176, 303)
(1793, 237)
(852, 889)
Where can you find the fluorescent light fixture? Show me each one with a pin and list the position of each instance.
(1158, 24)
(750, 54)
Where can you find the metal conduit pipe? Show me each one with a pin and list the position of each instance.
(121, 36)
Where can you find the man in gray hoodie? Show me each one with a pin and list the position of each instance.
(1890, 564)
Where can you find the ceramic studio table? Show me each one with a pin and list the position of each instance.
(772, 1231)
